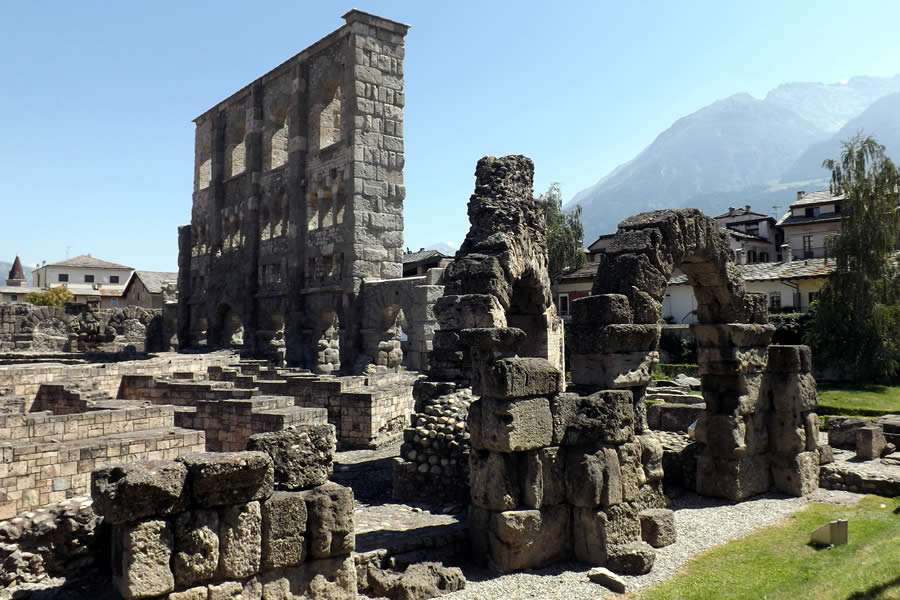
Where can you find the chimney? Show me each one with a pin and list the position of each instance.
(747, 208)
(787, 255)
(800, 194)
(739, 255)
(730, 211)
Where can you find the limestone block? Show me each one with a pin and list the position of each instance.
(468, 311)
(221, 478)
(633, 558)
(524, 539)
(593, 478)
(789, 359)
(302, 455)
(606, 416)
(826, 454)
(607, 579)
(732, 334)
(792, 392)
(603, 309)
(797, 475)
(510, 425)
(196, 593)
(725, 360)
(228, 590)
(811, 427)
(870, 442)
(477, 274)
(419, 581)
(144, 550)
(324, 579)
(517, 377)
(196, 547)
(628, 271)
(593, 338)
(724, 435)
(284, 519)
(329, 526)
(657, 526)
(651, 457)
(842, 431)
(787, 434)
(613, 371)
(589, 535)
(240, 540)
(543, 481)
(494, 479)
(135, 491)
(732, 479)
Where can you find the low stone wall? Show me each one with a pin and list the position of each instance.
(212, 525)
(26, 380)
(77, 328)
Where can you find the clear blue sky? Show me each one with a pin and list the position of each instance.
(97, 97)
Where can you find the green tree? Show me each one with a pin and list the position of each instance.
(565, 235)
(57, 296)
(857, 316)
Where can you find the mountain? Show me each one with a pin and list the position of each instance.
(725, 147)
(829, 106)
(880, 120)
(742, 150)
(444, 248)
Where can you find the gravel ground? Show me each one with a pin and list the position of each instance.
(701, 523)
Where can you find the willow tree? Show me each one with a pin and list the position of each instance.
(565, 235)
(857, 316)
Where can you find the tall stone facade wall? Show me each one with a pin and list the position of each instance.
(298, 197)
(29, 328)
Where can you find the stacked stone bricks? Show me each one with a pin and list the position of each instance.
(214, 525)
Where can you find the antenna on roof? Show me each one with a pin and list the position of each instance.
(775, 208)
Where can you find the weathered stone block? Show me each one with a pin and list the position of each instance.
(633, 558)
(811, 429)
(593, 338)
(651, 457)
(724, 435)
(221, 478)
(524, 539)
(732, 479)
(135, 491)
(870, 442)
(842, 431)
(632, 472)
(789, 359)
(228, 590)
(787, 434)
(797, 475)
(657, 526)
(517, 377)
(607, 579)
(732, 334)
(606, 416)
(494, 479)
(613, 371)
(469, 311)
(302, 455)
(589, 535)
(196, 547)
(240, 540)
(544, 479)
(330, 520)
(593, 478)
(791, 392)
(479, 532)
(196, 593)
(284, 519)
(324, 579)
(510, 425)
(602, 309)
(143, 551)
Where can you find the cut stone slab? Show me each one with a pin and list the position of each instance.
(494, 480)
(284, 519)
(510, 425)
(144, 549)
(870, 442)
(834, 533)
(222, 478)
(130, 492)
(196, 547)
(524, 539)
(603, 417)
(607, 579)
(330, 520)
(240, 540)
(302, 455)
(518, 377)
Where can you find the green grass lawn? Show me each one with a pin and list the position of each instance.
(862, 400)
(777, 562)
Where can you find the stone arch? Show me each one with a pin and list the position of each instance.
(330, 115)
(616, 334)
(230, 325)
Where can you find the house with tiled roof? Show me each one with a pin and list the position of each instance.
(417, 263)
(753, 236)
(91, 280)
(811, 219)
(150, 289)
(16, 285)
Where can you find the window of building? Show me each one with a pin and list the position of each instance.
(114, 279)
(563, 304)
(15, 298)
(813, 211)
(751, 257)
(774, 301)
(330, 120)
(837, 208)
(753, 230)
(807, 246)
(813, 296)
(763, 257)
(63, 277)
(113, 302)
(89, 279)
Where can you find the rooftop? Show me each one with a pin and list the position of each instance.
(86, 260)
(155, 281)
(742, 212)
(819, 197)
(414, 257)
(798, 269)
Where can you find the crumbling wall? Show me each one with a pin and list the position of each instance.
(232, 524)
(755, 414)
(26, 327)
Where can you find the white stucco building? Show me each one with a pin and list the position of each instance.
(89, 279)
